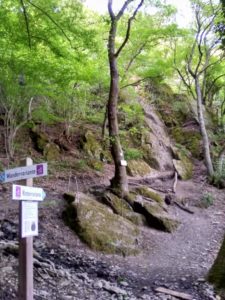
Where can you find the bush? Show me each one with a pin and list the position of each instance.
(207, 200)
(132, 153)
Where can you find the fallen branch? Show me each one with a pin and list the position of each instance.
(183, 207)
(179, 295)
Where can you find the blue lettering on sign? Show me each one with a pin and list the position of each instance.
(2, 177)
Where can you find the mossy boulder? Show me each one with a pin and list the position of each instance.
(117, 204)
(216, 274)
(51, 152)
(123, 208)
(135, 218)
(91, 146)
(138, 168)
(156, 216)
(100, 228)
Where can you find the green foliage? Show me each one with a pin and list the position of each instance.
(207, 200)
(133, 153)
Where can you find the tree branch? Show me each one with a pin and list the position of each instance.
(51, 19)
(123, 8)
(111, 13)
(26, 22)
(128, 25)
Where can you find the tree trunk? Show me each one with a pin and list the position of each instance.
(120, 181)
(203, 131)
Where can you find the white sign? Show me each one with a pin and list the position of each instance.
(29, 219)
(24, 172)
(20, 192)
(123, 163)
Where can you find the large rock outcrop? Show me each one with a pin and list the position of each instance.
(156, 142)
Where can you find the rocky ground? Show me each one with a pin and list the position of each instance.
(65, 269)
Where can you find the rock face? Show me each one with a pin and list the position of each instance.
(156, 142)
(100, 228)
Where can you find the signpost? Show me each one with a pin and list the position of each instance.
(21, 192)
(28, 218)
(30, 171)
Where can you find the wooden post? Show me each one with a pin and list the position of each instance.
(25, 289)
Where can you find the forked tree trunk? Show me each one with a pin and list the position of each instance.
(120, 181)
(206, 147)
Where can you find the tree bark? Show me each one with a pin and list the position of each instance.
(204, 134)
(120, 180)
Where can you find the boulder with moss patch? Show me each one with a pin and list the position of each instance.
(117, 204)
(91, 146)
(149, 193)
(123, 208)
(156, 216)
(51, 152)
(100, 228)
(184, 168)
(138, 168)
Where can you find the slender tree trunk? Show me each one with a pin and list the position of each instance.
(120, 181)
(204, 134)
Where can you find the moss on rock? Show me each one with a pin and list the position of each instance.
(100, 228)
(190, 139)
(156, 216)
(138, 168)
(117, 204)
(51, 152)
(135, 218)
(91, 146)
(146, 192)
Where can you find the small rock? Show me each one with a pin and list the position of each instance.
(124, 283)
(98, 284)
(114, 289)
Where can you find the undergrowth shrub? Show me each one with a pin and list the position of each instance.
(207, 200)
(133, 153)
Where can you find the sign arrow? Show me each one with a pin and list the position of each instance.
(20, 192)
(24, 172)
